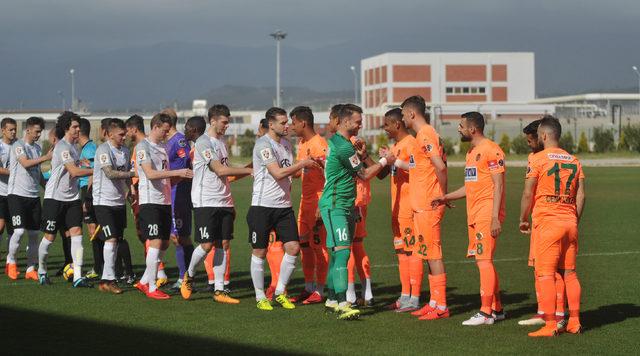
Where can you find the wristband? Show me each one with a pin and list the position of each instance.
(383, 161)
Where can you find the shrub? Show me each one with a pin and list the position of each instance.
(447, 144)
(505, 143)
(631, 135)
(603, 140)
(566, 143)
(519, 145)
(246, 143)
(583, 143)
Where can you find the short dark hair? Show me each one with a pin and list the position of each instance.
(474, 118)
(416, 102)
(550, 122)
(104, 123)
(136, 121)
(115, 123)
(532, 128)
(394, 114)
(303, 113)
(85, 127)
(335, 110)
(198, 123)
(35, 121)
(6, 121)
(273, 112)
(65, 119)
(347, 110)
(264, 123)
(161, 118)
(218, 110)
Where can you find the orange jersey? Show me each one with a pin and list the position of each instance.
(557, 174)
(363, 188)
(312, 178)
(483, 161)
(423, 182)
(400, 200)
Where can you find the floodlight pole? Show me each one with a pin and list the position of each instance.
(279, 35)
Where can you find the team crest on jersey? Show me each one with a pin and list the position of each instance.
(19, 151)
(420, 239)
(265, 153)
(412, 162)
(142, 155)
(501, 162)
(354, 160)
(478, 157)
(206, 154)
(182, 142)
(479, 236)
(407, 232)
(65, 155)
(470, 174)
(428, 147)
(104, 158)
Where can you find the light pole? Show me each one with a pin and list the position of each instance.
(355, 84)
(73, 89)
(635, 69)
(279, 35)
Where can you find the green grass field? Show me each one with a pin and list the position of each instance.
(59, 319)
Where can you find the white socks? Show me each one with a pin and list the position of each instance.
(109, 255)
(43, 252)
(351, 293)
(368, 292)
(32, 248)
(161, 274)
(257, 276)
(77, 254)
(219, 268)
(151, 271)
(286, 269)
(198, 255)
(14, 245)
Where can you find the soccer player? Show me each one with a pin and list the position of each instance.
(87, 154)
(427, 180)
(315, 257)
(557, 179)
(484, 191)
(8, 126)
(111, 174)
(409, 264)
(531, 134)
(214, 210)
(337, 203)
(135, 132)
(23, 196)
(152, 168)
(62, 208)
(271, 206)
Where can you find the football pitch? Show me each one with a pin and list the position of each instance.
(59, 319)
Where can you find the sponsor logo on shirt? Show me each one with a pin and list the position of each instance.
(470, 174)
(104, 158)
(285, 163)
(412, 162)
(206, 154)
(354, 160)
(181, 153)
(559, 157)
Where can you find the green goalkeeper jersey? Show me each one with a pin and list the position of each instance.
(342, 164)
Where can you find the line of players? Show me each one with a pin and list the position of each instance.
(419, 195)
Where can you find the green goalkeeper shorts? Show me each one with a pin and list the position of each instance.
(340, 225)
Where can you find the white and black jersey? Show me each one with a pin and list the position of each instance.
(208, 189)
(24, 182)
(157, 191)
(107, 192)
(5, 153)
(61, 186)
(267, 191)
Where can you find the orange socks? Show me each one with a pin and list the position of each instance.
(497, 301)
(538, 294)
(487, 285)
(275, 253)
(416, 273)
(403, 269)
(322, 264)
(548, 298)
(438, 288)
(361, 260)
(574, 291)
(308, 263)
(559, 294)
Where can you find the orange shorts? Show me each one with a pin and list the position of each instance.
(556, 247)
(481, 244)
(403, 236)
(532, 246)
(307, 220)
(426, 225)
(274, 244)
(361, 222)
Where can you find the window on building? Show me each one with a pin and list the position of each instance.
(449, 90)
(458, 90)
(474, 90)
(465, 90)
(481, 90)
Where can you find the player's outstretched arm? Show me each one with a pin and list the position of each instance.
(580, 198)
(4, 171)
(374, 167)
(445, 199)
(76, 171)
(278, 172)
(116, 174)
(223, 171)
(525, 204)
(153, 174)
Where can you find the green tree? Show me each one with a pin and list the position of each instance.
(519, 145)
(447, 144)
(603, 140)
(583, 143)
(631, 136)
(246, 142)
(505, 143)
(566, 143)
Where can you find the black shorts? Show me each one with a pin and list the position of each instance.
(88, 211)
(155, 221)
(25, 212)
(112, 220)
(4, 214)
(214, 223)
(60, 215)
(262, 220)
